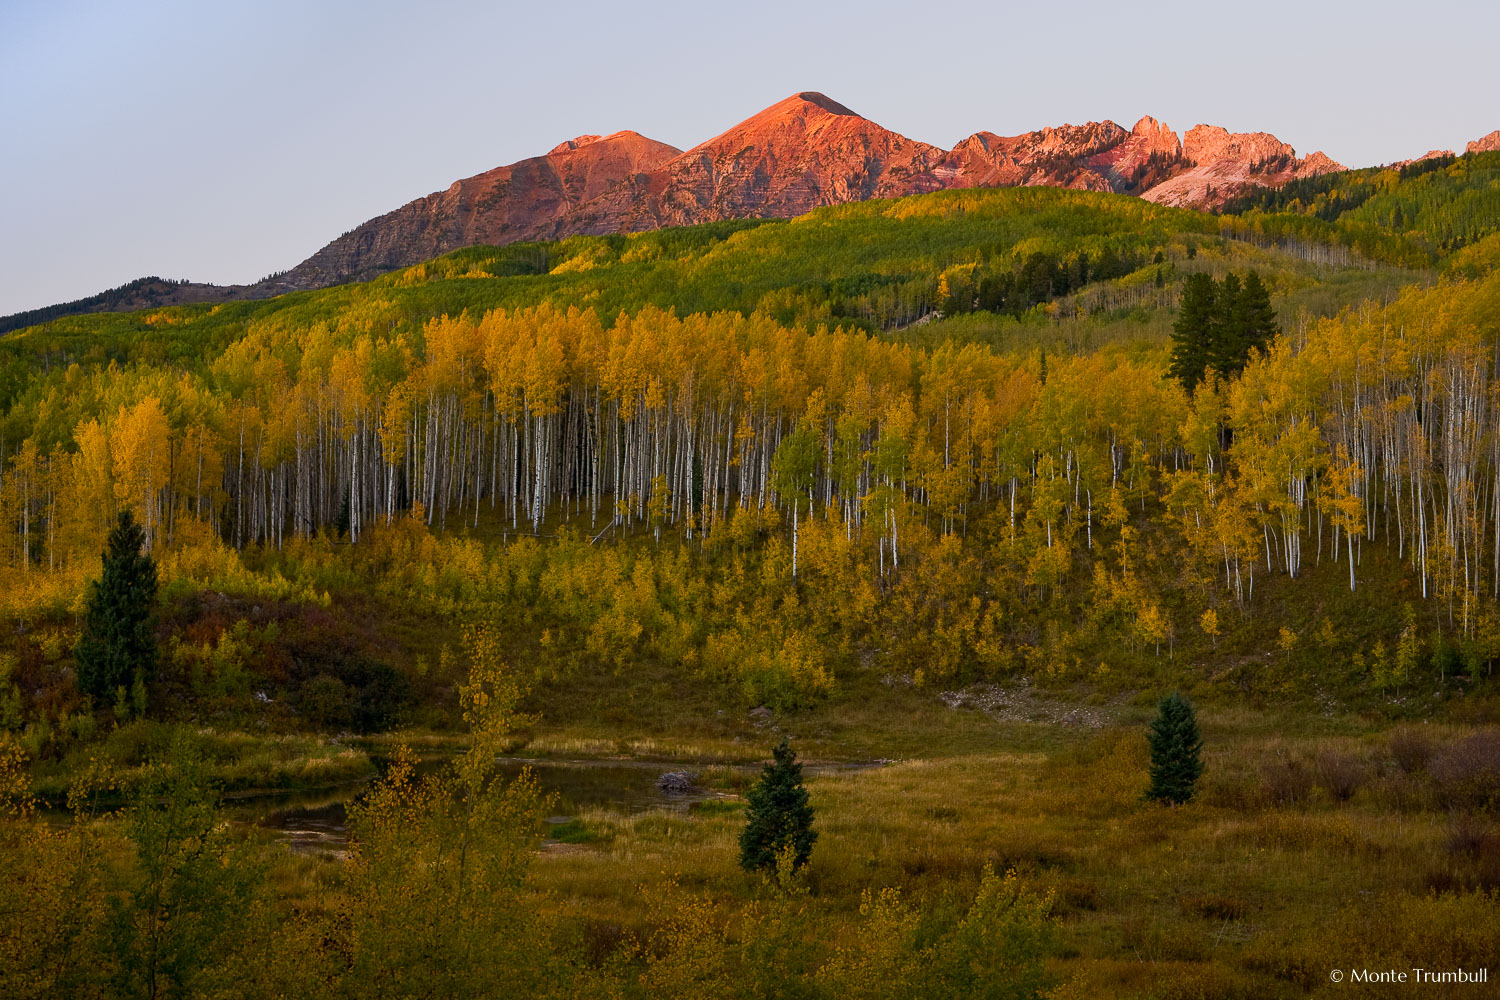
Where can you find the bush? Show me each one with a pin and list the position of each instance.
(1285, 781)
(1341, 774)
(325, 702)
(1466, 774)
(1470, 835)
(1411, 749)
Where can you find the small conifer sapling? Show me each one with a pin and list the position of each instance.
(779, 817)
(1176, 751)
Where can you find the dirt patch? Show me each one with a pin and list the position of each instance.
(1019, 703)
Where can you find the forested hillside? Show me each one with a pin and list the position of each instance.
(1017, 472)
(1440, 204)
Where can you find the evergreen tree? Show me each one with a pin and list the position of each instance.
(1226, 349)
(118, 644)
(779, 815)
(1176, 750)
(1257, 315)
(1218, 325)
(1193, 329)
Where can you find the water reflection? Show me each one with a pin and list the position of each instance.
(317, 822)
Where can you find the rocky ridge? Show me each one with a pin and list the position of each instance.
(805, 151)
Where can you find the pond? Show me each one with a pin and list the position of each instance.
(317, 822)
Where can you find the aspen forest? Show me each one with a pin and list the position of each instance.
(917, 484)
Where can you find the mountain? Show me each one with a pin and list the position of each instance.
(796, 155)
(521, 201)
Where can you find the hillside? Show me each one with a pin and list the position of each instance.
(875, 266)
(647, 382)
(521, 201)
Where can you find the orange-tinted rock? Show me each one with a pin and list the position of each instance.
(1220, 165)
(1488, 144)
(794, 156)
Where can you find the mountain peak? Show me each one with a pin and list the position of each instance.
(1488, 144)
(823, 101)
(625, 137)
(1151, 128)
(804, 107)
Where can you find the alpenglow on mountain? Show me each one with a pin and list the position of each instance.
(794, 156)
(799, 154)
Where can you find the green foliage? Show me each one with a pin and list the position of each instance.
(1176, 751)
(173, 934)
(779, 818)
(434, 904)
(997, 947)
(998, 951)
(1218, 326)
(793, 466)
(118, 644)
(1414, 214)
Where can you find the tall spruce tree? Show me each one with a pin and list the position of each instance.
(118, 644)
(1257, 316)
(1218, 324)
(1226, 348)
(779, 816)
(1193, 330)
(1176, 750)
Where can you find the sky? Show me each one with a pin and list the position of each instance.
(221, 141)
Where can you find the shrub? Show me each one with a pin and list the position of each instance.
(1470, 835)
(1411, 748)
(325, 702)
(1341, 774)
(1466, 774)
(1285, 781)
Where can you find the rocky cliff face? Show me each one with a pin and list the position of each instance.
(1219, 164)
(1488, 144)
(796, 155)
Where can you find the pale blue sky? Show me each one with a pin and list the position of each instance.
(220, 140)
